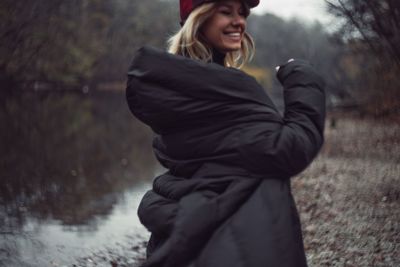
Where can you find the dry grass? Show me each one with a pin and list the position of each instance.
(349, 198)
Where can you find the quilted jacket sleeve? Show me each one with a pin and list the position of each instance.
(285, 149)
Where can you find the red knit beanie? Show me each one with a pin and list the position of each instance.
(187, 6)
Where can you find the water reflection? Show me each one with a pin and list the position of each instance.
(52, 244)
(66, 160)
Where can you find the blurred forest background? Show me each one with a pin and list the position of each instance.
(88, 44)
(66, 133)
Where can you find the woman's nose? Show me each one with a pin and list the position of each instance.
(239, 20)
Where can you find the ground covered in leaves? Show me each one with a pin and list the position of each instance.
(348, 199)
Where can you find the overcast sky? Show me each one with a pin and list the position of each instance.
(309, 10)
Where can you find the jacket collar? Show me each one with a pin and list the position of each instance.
(218, 57)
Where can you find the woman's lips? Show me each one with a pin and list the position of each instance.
(235, 36)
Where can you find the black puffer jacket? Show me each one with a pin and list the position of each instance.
(225, 199)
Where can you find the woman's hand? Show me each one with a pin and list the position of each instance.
(278, 67)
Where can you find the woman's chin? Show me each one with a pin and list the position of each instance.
(231, 48)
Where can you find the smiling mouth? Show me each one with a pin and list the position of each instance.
(234, 35)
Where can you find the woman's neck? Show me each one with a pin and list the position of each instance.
(218, 57)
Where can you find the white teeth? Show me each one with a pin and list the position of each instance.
(234, 34)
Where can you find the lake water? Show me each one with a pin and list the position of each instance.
(50, 243)
(72, 171)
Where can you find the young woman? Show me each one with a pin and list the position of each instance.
(225, 200)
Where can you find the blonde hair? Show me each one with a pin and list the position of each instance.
(188, 41)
